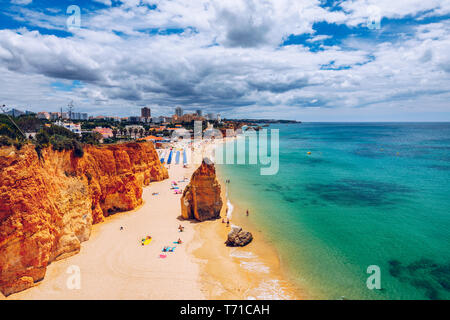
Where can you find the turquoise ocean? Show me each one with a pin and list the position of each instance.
(368, 194)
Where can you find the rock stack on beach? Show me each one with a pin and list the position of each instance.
(201, 199)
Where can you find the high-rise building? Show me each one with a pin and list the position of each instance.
(55, 115)
(178, 111)
(146, 112)
(75, 116)
(199, 112)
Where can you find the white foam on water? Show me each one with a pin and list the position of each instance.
(242, 254)
(230, 209)
(255, 266)
(268, 290)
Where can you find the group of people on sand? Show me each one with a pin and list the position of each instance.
(171, 249)
(228, 220)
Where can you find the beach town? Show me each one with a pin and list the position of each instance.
(161, 249)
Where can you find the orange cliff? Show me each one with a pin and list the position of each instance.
(201, 199)
(48, 205)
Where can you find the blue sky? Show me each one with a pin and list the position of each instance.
(309, 60)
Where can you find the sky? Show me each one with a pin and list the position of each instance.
(307, 60)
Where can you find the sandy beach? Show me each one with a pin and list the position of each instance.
(114, 265)
(251, 272)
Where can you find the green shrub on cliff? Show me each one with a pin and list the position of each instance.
(60, 139)
(7, 131)
(7, 141)
(61, 143)
(78, 149)
(91, 138)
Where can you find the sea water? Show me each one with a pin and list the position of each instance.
(368, 194)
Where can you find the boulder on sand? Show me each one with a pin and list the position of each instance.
(238, 237)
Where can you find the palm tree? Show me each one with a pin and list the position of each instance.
(135, 131)
(114, 132)
(141, 132)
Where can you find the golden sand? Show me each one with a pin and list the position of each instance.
(114, 265)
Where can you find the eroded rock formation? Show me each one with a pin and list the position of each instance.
(238, 237)
(48, 205)
(201, 199)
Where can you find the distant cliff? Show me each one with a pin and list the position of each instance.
(48, 205)
(201, 199)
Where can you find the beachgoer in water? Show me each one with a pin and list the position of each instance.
(121, 228)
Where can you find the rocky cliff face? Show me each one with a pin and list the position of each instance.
(48, 205)
(201, 199)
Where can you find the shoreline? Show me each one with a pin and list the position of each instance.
(250, 272)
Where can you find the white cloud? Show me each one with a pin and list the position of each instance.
(229, 61)
(22, 2)
(105, 2)
(320, 38)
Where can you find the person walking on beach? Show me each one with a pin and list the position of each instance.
(247, 213)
